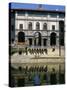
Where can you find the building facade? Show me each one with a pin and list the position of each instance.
(38, 28)
(36, 37)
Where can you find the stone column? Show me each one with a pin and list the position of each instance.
(48, 41)
(41, 42)
(32, 42)
(57, 41)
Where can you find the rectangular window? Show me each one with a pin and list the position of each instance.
(53, 27)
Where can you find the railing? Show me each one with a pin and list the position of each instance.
(37, 30)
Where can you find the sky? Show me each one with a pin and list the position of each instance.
(35, 6)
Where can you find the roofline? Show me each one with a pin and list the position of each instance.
(39, 10)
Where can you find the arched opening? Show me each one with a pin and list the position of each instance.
(44, 26)
(61, 33)
(37, 26)
(37, 41)
(30, 26)
(21, 37)
(44, 42)
(30, 41)
(53, 39)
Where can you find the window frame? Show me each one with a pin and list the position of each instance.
(30, 26)
(37, 26)
(53, 27)
(45, 26)
(20, 26)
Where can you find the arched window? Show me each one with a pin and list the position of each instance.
(30, 26)
(44, 26)
(21, 37)
(53, 39)
(37, 40)
(37, 26)
(53, 27)
(20, 26)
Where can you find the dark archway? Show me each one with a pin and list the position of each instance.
(30, 41)
(37, 40)
(53, 39)
(21, 37)
(44, 42)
